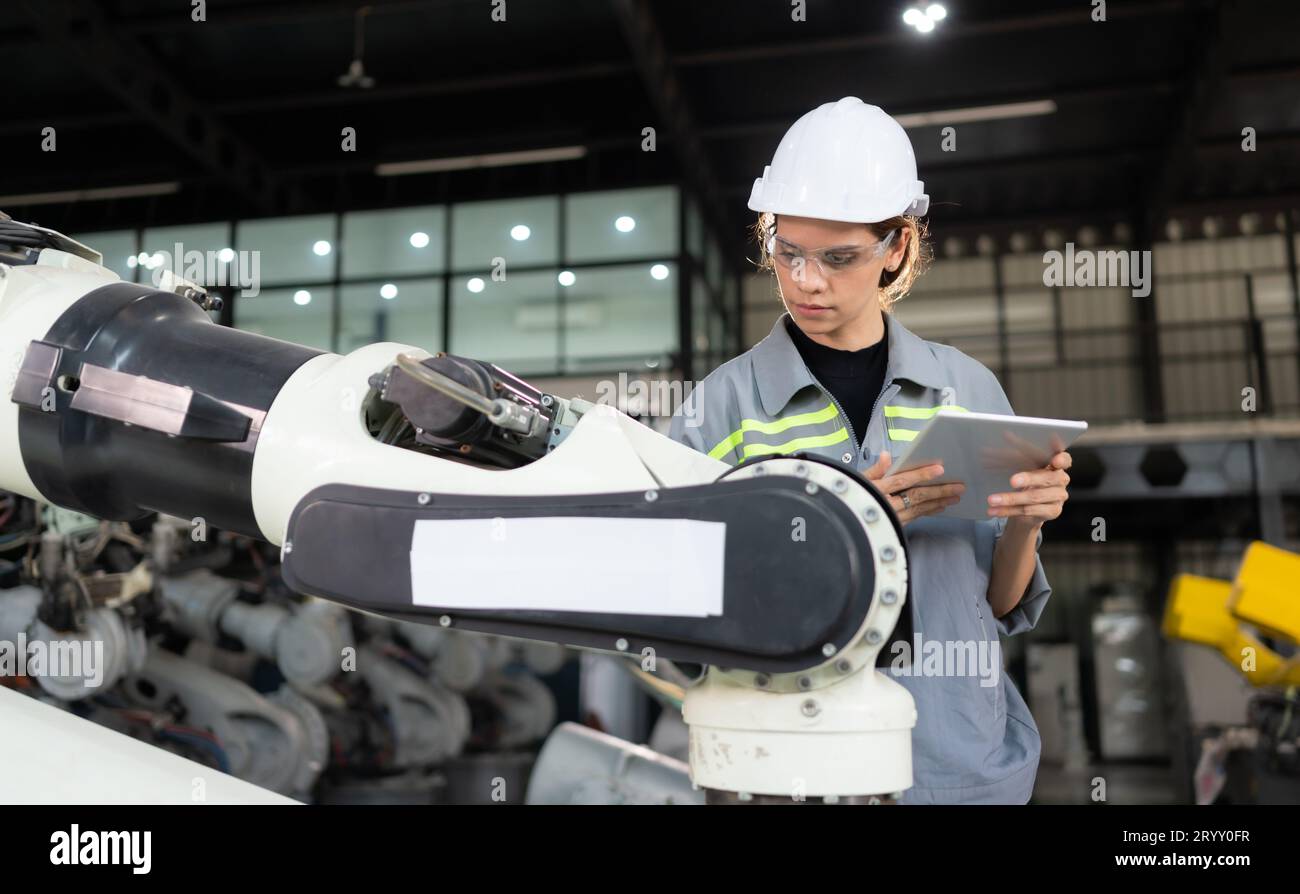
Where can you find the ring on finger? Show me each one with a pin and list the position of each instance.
(907, 501)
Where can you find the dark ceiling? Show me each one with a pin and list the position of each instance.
(243, 109)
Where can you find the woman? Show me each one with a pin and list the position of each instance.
(840, 377)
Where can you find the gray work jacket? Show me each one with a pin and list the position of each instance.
(975, 740)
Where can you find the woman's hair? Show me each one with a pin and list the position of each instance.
(893, 284)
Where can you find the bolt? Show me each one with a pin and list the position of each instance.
(848, 457)
(651, 496)
(288, 547)
(620, 644)
(810, 708)
(762, 681)
(744, 796)
(873, 636)
(873, 800)
(810, 488)
(805, 682)
(843, 666)
(840, 485)
(423, 499)
(445, 621)
(759, 470)
(888, 554)
(889, 597)
(828, 650)
(547, 400)
(800, 469)
(872, 514)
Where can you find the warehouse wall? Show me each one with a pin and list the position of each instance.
(1218, 302)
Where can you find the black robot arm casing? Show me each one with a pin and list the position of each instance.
(135, 401)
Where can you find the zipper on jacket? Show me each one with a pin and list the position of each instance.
(844, 417)
(876, 406)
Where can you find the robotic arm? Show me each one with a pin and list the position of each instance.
(446, 491)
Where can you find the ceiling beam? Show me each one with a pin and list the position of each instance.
(949, 31)
(298, 101)
(125, 69)
(650, 53)
(248, 14)
(1205, 77)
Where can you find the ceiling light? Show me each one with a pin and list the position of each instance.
(924, 19)
(978, 113)
(105, 193)
(489, 160)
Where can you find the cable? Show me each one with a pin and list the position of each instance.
(20, 234)
(445, 385)
(661, 690)
(204, 743)
(14, 234)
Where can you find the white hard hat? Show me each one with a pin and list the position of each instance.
(845, 161)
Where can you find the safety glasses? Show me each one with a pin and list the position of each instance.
(831, 261)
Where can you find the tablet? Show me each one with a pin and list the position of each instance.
(983, 451)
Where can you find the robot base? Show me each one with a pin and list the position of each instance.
(714, 797)
(850, 739)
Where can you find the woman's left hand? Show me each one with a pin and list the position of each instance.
(1039, 494)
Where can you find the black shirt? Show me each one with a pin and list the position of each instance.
(854, 378)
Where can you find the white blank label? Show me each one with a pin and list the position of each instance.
(657, 566)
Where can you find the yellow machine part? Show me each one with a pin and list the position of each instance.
(1267, 591)
(1197, 611)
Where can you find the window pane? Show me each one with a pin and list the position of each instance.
(713, 265)
(292, 249)
(286, 315)
(117, 247)
(513, 324)
(700, 312)
(411, 316)
(408, 240)
(523, 231)
(629, 223)
(694, 229)
(191, 252)
(731, 342)
(620, 317)
(717, 342)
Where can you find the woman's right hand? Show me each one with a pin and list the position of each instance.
(921, 501)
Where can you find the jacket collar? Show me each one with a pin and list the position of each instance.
(781, 373)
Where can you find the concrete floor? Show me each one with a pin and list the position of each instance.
(1124, 784)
